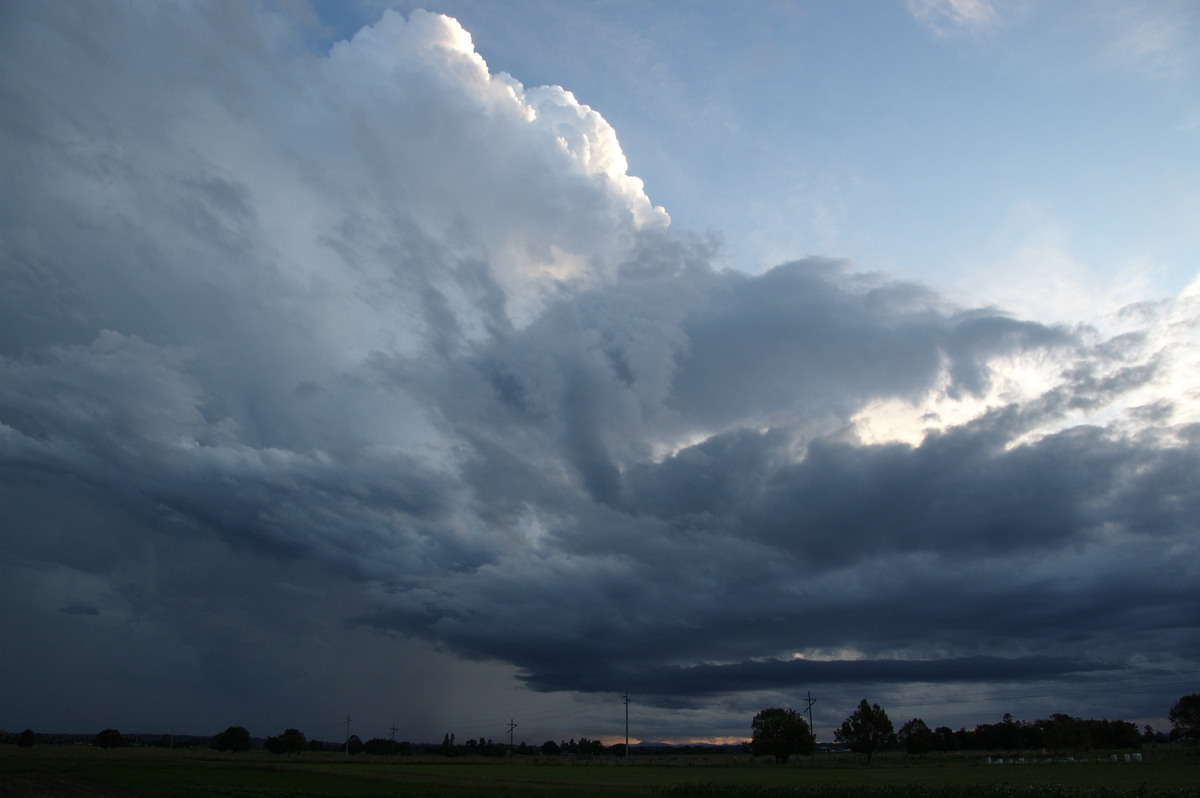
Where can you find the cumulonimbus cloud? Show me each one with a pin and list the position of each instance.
(408, 322)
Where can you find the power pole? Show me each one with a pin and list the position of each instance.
(511, 726)
(626, 724)
(809, 702)
(347, 734)
(394, 730)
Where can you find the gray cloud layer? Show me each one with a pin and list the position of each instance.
(296, 347)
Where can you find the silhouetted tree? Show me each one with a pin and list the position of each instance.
(292, 741)
(551, 748)
(916, 737)
(381, 746)
(235, 738)
(1008, 733)
(1185, 717)
(26, 739)
(109, 738)
(589, 747)
(944, 739)
(1059, 732)
(780, 733)
(1064, 732)
(1149, 735)
(867, 730)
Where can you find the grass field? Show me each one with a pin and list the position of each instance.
(188, 774)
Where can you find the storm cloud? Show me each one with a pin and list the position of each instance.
(377, 345)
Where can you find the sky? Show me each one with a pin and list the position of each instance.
(455, 365)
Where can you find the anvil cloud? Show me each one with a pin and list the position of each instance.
(371, 377)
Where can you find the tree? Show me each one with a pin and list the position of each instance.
(109, 738)
(354, 745)
(26, 739)
(867, 730)
(381, 746)
(292, 741)
(780, 733)
(586, 746)
(916, 737)
(235, 738)
(944, 739)
(1063, 732)
(1185, 716)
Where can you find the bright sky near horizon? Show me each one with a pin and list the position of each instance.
(456, 362)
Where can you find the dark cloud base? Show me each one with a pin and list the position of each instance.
(789, 675)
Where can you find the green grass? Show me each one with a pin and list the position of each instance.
(199, 774)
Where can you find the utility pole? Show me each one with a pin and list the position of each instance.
(626, 724)
(511, 726)
(347, 734)
(808, 707)
(394, 730)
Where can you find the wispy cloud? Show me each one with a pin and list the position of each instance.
(951, 17)
(1155, 39)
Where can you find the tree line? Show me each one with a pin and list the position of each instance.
(782, 733)
(1058, 732)
(776, 732)
(292, 741)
